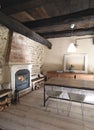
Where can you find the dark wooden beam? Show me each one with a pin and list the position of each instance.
(57, 26)
(68, 33)
(13, 7)
(9, 7)
(20, 28)
(10, 3)
(60, 19)
(83, 22)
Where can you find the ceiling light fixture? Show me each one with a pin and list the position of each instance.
(72, 26)
(73, 46)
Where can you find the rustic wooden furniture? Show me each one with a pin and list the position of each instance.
(5, 98)
(81, 76)
(4, 92)
(37, 82)
(58, 84)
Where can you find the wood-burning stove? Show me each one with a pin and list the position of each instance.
(22, 79)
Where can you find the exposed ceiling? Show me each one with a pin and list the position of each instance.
(52, 18)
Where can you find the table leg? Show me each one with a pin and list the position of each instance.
(44, 96)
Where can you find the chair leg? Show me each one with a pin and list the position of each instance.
(69, 107)
(47, 103)
(57, 105)
(58, 101)
(82, 109)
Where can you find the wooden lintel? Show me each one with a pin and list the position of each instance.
(20, 28)
(68, 33)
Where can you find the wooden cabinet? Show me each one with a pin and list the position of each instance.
(51, 74)
(85, 76)
(78, 76)
(66, 75)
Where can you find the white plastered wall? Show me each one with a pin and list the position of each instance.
(54, 57)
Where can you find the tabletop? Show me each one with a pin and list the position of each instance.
(71, 83)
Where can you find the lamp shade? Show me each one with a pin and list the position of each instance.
(71, 48)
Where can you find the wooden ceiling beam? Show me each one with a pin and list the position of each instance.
(10, 3)
(61, 24)
(13, 6)
(21, 5)
(68, 33)
(20, 28)
(84, 22)
(60, 19)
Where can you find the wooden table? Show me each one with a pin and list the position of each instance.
(67, 83)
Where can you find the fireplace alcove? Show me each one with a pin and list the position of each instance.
(22, 79)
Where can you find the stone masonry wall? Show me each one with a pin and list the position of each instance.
(22, 51)
(4, 38)
(25, 50)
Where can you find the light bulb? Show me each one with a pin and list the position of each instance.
(72, 25)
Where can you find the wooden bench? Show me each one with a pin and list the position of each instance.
(37, 82)
(5, 92)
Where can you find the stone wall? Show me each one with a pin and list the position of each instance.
(22, 50)
(4, 38)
